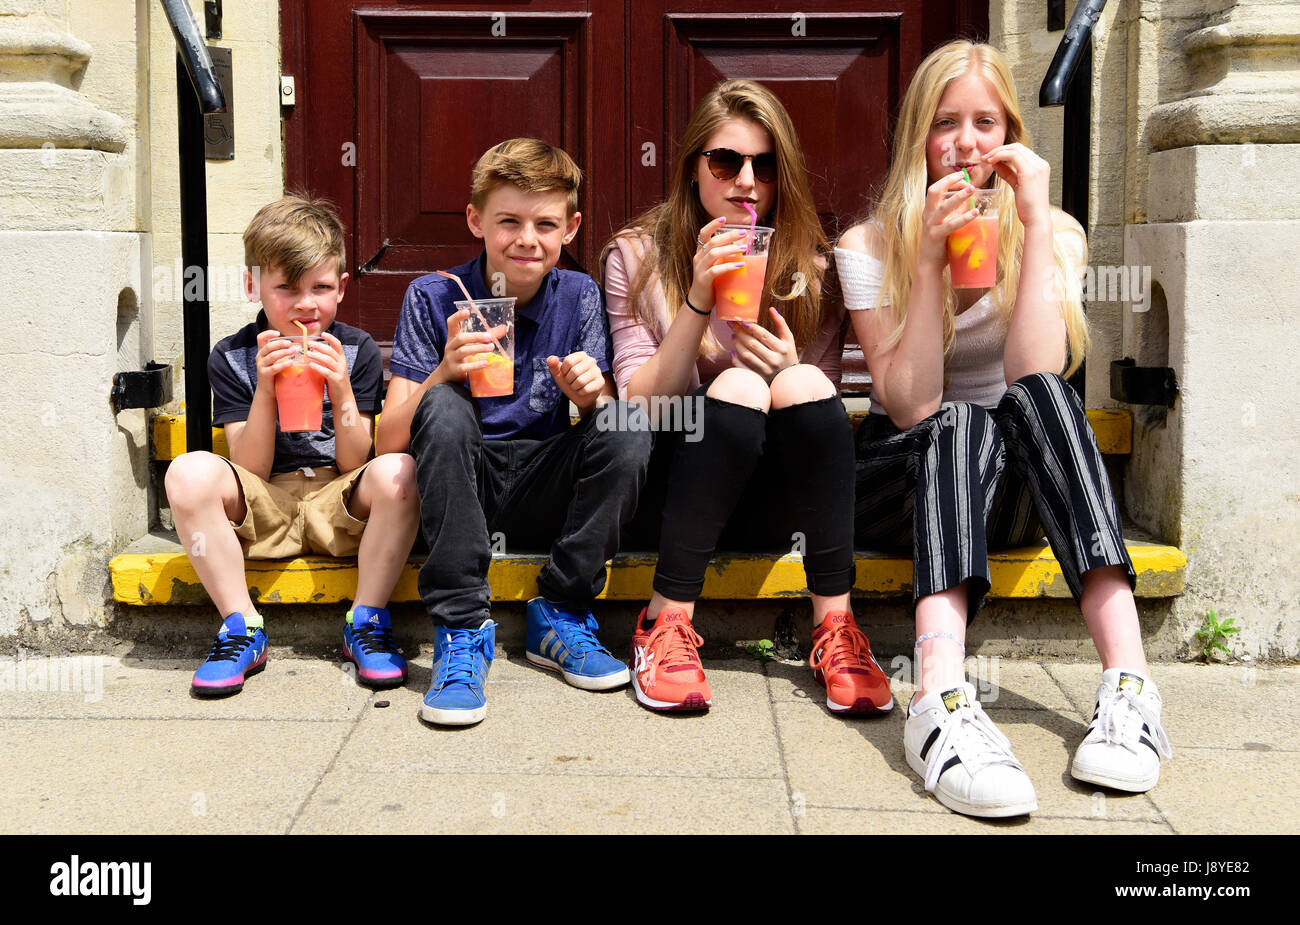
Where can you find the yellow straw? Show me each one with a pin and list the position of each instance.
(302, 327)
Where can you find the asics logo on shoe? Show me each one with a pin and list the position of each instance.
(1130, 682)
(643, 660)
(955, 699)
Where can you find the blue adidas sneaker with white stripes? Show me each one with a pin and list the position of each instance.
(566, 642)
(461, 661)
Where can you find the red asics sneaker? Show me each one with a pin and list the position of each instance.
(666, 670)
(841, 661)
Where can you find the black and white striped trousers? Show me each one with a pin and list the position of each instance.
(967, 479)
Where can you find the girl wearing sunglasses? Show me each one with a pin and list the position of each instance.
(767, 464)
(975, 441)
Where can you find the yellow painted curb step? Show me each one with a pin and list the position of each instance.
(1030, 572)
(1114, 430)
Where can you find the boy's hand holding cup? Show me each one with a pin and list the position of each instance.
(274, 353)
(465, 350)
(294, 377)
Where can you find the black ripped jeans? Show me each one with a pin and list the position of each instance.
(751, 482)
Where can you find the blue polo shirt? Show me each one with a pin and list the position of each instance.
(566, 315)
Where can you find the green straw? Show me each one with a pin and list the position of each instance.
(967, 176)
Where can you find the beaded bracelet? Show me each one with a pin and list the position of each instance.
(921, 639)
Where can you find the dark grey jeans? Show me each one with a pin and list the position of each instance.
(570, 494)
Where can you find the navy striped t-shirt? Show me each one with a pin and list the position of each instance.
(232, 370)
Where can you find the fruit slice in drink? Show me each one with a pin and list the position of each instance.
(299, 397)
(737, 294)
(973, 254)
(495, 379)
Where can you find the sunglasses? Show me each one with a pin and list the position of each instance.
(725, 163)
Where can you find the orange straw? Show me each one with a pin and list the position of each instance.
(474, 307)
(302, 327)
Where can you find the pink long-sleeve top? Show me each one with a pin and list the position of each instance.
(636, 341)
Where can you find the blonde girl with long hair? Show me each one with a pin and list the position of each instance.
(770, 457)
(975, 440)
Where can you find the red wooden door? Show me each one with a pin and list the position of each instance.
(397, 99)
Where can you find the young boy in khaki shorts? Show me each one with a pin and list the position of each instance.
(290, 494)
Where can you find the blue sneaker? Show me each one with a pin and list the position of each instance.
(368, 642)
(237, 653)
(566, 642)
(461, 659)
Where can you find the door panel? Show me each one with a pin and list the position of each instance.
(440, 91)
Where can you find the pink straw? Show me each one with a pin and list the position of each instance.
(753, 223)
(474, 307)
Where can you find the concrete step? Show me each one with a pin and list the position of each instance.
(155, 571)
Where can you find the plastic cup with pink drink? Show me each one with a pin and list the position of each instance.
(973, 248)
(737, 294)
(299, 389)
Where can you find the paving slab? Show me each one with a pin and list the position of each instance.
(818, 821)
(159, 776)
(1233, 706)
(848, 761)
(549, 803)
(131, 688)
(535, 722)
(1220, 791)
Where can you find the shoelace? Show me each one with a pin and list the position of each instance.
(983, 744)
(675, 644)
(845, 646)
(228, 648)
(371, 639)
(578, 635)
(1123, 727)
(459, 664)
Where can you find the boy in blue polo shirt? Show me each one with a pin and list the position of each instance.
(513, 465)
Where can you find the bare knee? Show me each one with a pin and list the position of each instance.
(742, 387)
(198, 478)
(798, 384)
(392, 478)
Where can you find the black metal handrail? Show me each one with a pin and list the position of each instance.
(1068, 83)
(1070, 51)
(197, 93)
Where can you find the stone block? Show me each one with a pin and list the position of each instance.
(1223, 183)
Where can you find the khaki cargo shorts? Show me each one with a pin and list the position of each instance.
(297, 514)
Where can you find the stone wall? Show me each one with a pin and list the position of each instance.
(1215, 143)
(76, 483)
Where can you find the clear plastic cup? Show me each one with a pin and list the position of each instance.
(299, 390)
(973, 248)
(737, 294)
(498, 377)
